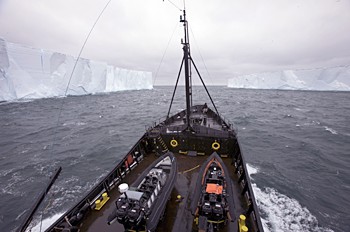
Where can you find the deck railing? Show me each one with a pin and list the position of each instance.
(87, 204)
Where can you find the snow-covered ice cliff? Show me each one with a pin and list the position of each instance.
(27, 73)
(322, 79)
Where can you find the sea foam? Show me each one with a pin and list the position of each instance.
(280, 212)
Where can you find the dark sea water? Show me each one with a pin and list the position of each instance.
(296, 143)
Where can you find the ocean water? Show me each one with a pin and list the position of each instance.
(296, 143)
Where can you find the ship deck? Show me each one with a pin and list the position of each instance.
(198, 118)
(191, 149)
(178, 216)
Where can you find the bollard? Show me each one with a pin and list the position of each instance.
(241, 223)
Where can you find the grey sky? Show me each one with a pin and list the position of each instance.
(233, 37)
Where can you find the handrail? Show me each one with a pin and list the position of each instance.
(108, 182)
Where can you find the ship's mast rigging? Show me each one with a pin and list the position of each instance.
(187, 60)
(188, 84)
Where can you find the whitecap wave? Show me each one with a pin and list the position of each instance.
(330, 130)
(252, 170)
(282, 213)
(45, 223)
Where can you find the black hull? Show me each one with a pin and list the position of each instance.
(197, 191)
(191, 135)
(158, 207)
(197, 194)
(157, 140)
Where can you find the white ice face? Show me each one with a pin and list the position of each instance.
(335, 79)
(27, 73)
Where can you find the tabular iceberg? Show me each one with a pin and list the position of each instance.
(321, 79)
(28, 73)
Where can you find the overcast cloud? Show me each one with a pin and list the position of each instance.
(232, 37)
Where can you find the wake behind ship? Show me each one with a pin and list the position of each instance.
(187, 173)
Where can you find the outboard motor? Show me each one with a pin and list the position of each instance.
(206, 209)
(122, 207)
(123, 204)
(218, 212)
(135, 215)
(122, 212)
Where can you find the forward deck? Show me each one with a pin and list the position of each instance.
(192, 135)
(178, 215)
(191, 146)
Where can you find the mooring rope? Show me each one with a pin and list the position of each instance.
(189, 170)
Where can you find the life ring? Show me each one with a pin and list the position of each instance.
(174, 143)
(215, 145)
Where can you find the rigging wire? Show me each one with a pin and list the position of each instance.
(161, 61)
(175, 5)
(82, 48)
(200, 54)
(68, 84)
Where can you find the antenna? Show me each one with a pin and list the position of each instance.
(123, 188)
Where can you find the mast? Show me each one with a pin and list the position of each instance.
(187, 60)
(188, 87)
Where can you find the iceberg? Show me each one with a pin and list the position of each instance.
(29, 73)
(320, 79)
